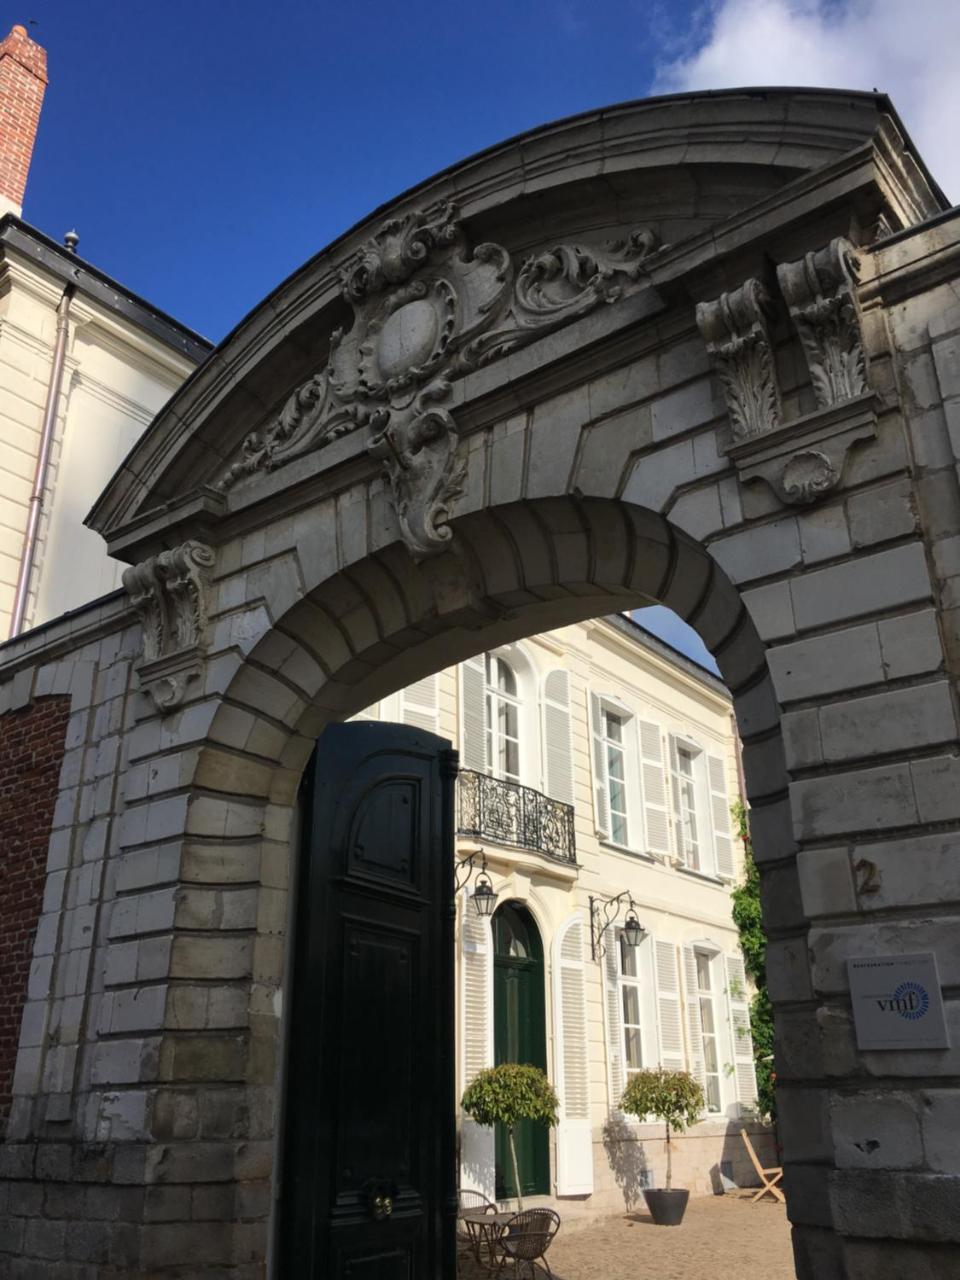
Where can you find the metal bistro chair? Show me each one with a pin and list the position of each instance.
(526, 1238)
(471, 1201)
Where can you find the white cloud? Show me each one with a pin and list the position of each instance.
(907, 50)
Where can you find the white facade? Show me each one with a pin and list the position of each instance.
(641, 743)
(117, 374)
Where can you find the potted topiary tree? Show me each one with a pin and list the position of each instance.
(506, 1095)
(677, 1099)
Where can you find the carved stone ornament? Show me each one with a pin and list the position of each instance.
(428, 309)
(168, 592)
(804, 459)
(734, 328)
(820, 291)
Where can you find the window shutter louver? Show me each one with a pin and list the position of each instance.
(739, 1006)
(420, 704)
(600, 788)
(557, 747)
(477, 1155)
(574, 1145)
(473, 728)
(655, 813)
(668, 1006)
(368, 713)
(680, 848)
(615, 1065)
(720, 814)
(694, 1030)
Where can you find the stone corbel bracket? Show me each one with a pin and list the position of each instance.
(734, 328)
(821, 295)
(169, 593)
(804, 459)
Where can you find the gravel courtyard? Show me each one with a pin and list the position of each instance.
(722, 1235)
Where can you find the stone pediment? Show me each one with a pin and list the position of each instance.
(369, 338)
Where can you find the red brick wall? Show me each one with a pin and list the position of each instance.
(31, 751)
(23, 81)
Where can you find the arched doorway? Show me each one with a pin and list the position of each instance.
(520, 1035)
(599, 425)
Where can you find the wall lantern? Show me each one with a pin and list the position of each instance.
(604, 912)
(484, 896)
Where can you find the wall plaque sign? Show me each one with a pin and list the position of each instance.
(897, 1003)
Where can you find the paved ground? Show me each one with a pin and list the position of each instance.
(719, 1236)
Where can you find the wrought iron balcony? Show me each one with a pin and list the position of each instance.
(491, 809)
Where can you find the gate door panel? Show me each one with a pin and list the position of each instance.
(369, 1187)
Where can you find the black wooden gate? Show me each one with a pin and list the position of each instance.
(369, 1188)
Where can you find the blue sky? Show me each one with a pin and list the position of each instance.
(205, 148)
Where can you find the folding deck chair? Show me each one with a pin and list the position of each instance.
(769, 1177)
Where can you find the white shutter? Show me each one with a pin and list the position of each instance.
(477, 1155)
(656, 817)
(420, 704)
(601, 803)
(615, 1065)
(740, 1036)
(669, 1018)
(557, 747)
(574, 1145)
(368, 713)
(473, 719)
(694, 1028)
(720, 817)
(679, 844)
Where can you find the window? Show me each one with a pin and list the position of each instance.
(687, 786)
(615, 758)
(502, 717)
(709, 1028)
(631, 1006)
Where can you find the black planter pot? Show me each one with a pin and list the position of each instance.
(667, 1207)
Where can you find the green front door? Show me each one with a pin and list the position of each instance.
(520, 1035)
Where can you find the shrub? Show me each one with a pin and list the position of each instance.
(506, 1095)
(671, 1096)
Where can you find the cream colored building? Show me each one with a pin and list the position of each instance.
(122, 360)
(597, 761)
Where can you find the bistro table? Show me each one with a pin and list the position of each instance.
(485, 1229)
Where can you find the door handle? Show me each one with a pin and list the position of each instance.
(379, 1194)
(382, 1207)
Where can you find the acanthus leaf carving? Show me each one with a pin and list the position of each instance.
(428, 309)
(735, 330)
(168, 592)
(820, 292)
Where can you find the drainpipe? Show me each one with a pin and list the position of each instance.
(71, 240)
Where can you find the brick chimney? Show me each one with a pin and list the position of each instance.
(23, 81)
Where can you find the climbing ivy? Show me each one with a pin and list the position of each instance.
(753, 943)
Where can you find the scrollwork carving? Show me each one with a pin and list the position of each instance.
(820, 292)
(428, 309)
(168, 592)
(422, 458)
(734, 328)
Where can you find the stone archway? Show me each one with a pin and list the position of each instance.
(696, 351)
